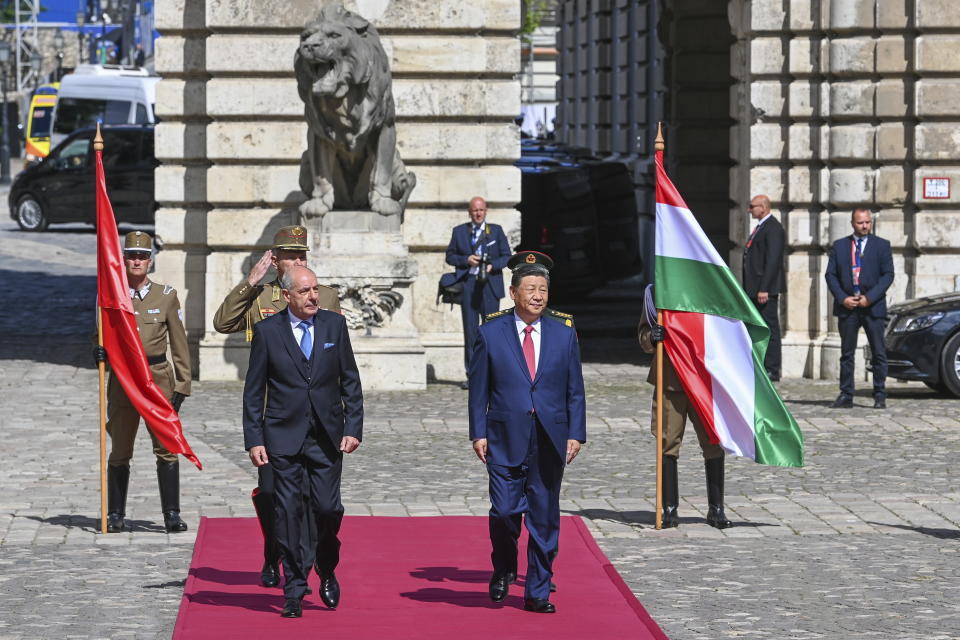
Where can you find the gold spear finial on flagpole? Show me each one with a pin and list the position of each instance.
(658, 501)
(98, 140)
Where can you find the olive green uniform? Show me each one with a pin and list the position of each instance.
(676, 406)
(159, 322)
(245, 306)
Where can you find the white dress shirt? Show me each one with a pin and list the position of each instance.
(534, 335)
(297, 330)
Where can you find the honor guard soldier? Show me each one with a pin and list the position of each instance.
(249, 303)
(676, 409)
(528, 258)
(159, 322)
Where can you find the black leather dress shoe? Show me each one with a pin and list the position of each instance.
(330, 591)
(270, 575)
(173, 523)
(539, 606)
(292, 608)
(499, 585)
(842, 402)
(879, 402)
(716, 518)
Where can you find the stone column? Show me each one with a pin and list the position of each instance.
(233, 131)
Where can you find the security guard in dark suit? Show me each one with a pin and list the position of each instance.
(247, 304)
(159, 322)
(676, 409)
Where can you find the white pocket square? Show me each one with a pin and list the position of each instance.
(328, 345)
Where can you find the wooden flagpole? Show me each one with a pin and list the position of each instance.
(101, 366)
(658, 515)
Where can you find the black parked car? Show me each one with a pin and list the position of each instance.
(923, 342)
(60, 188)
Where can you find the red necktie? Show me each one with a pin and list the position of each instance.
(528, 352)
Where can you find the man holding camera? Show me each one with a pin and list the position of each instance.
(479, 251)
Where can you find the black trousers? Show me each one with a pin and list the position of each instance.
(478, 301)
(770, 312)
(322, 463)
(308, 531)
(849, 326)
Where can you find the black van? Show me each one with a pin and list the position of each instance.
(60, 188)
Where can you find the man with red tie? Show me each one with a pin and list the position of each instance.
(763, 275)
(527, 422)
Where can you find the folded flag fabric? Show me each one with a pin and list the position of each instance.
(716, 339)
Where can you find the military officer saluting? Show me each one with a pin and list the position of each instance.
(249, 303)
(525, 258)
(160, 322)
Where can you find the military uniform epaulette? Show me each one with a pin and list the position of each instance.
(497, 314)
(565, 318)
(167, 289)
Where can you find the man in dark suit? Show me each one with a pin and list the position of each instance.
(527, 421)
(859, 272)
(763, 275)
(479, 251)
(302, 410)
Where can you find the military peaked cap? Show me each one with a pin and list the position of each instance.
(137, 241)
(293, 238)
(528, 258)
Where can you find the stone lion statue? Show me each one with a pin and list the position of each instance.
(343, 78)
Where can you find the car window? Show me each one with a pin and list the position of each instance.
(141, 115)
(120, 149)
(73, 155)
(40, 122)
(76, 113)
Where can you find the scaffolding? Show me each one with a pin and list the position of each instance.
(26, 16)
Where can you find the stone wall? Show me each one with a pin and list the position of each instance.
(233, 131)
(844, 103)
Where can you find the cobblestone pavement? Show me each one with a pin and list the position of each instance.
(860, 543)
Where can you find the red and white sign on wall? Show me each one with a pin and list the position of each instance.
(936, 188)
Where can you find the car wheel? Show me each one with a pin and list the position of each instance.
(30, 215)
(950, 365)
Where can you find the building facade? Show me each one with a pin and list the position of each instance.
(233, 131)
(820, 104)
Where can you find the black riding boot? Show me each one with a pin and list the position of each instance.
(168, 477)
(715, 515)
(118, 478)
(671, 493)
(263, 504)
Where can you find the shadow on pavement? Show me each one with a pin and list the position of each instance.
(647, 518)
(92, 525)
(943, 534)
(451, 574)
(172, 584)
(52, 319)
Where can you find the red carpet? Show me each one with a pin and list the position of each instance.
(406, 578)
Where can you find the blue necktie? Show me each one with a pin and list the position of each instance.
(306, 342)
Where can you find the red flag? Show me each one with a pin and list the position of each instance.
(120, 337)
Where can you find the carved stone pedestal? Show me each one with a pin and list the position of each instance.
(363, 255)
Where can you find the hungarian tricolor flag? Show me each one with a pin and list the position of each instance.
(716, 339)
(120, 338)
